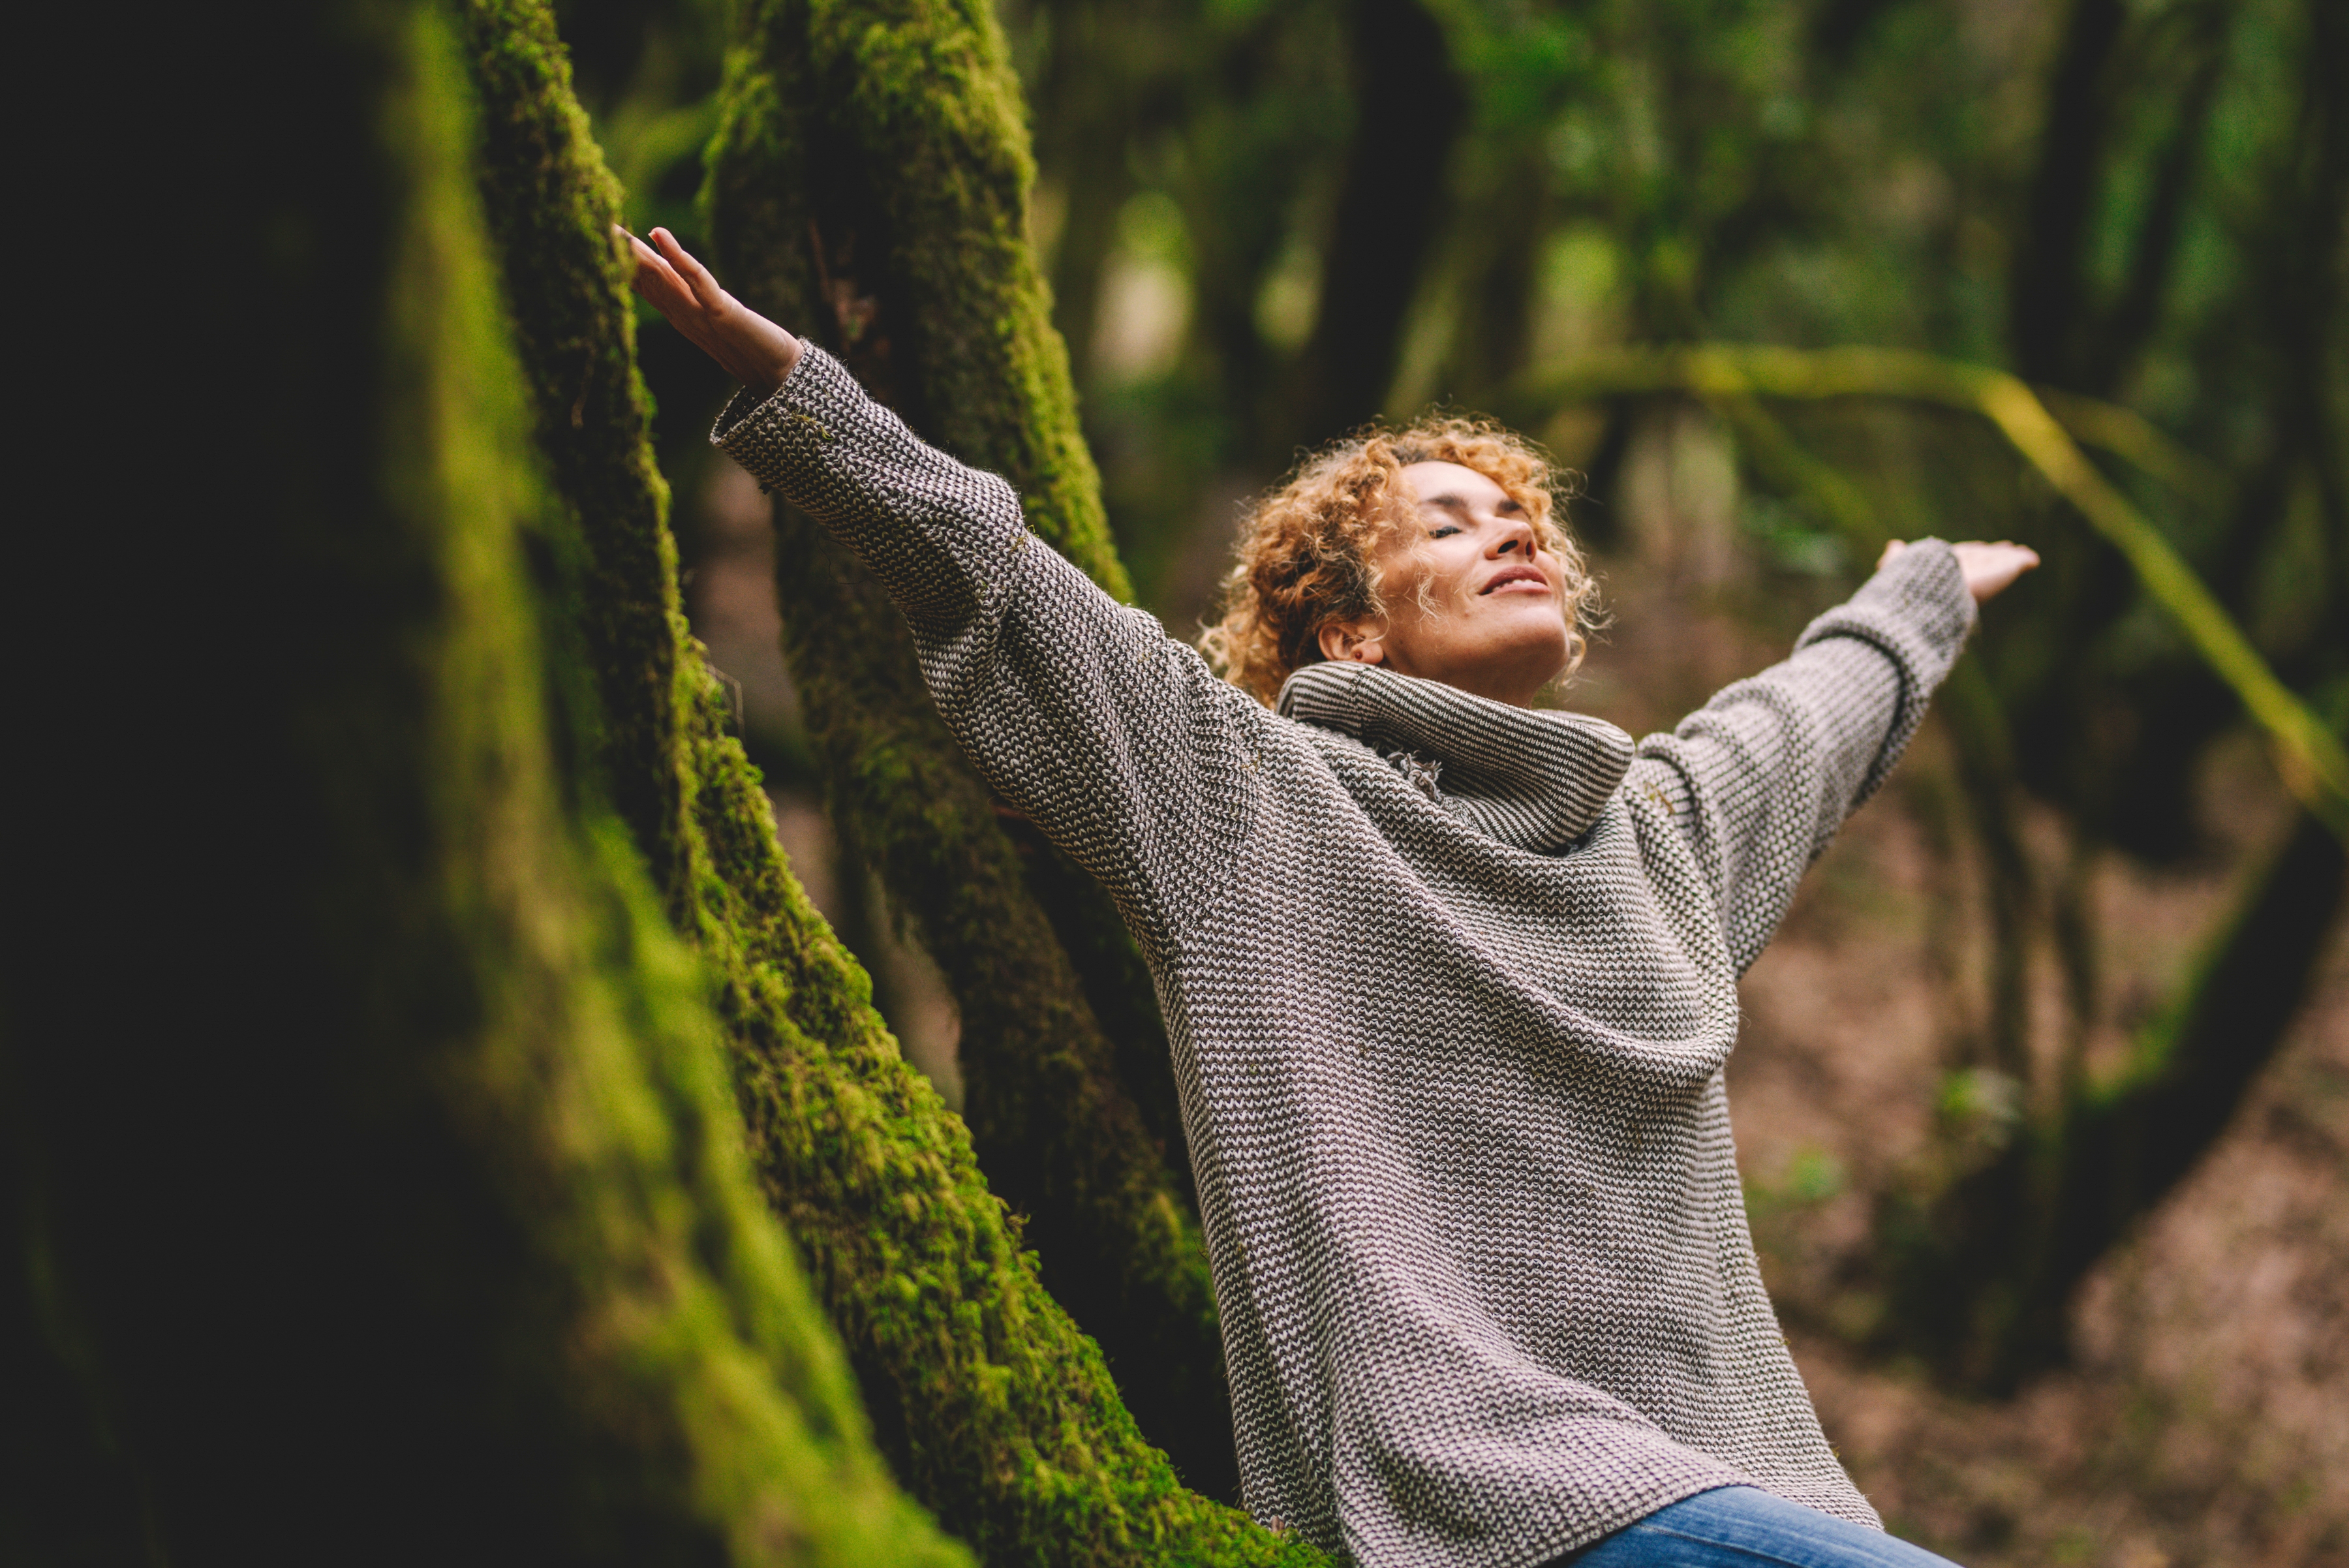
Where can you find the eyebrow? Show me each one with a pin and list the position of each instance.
(1451, 501)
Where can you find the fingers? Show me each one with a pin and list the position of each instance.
(647, 259)
(669, 277)
(696, 276)
(752, 349)
(2003, 556)
(658, 281)
(1990, 569)
(1891, 548)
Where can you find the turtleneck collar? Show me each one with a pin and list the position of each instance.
(1531, 778)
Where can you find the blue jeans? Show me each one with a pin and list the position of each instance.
(1740, 1527)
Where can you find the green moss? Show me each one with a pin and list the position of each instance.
(997, 1411)
(401, 1203)
(868, 186)
(589, 1089)
(551, 205)
(903, 121)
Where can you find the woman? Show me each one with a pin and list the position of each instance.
(1450, 980)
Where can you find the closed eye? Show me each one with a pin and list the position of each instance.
(1444, 530)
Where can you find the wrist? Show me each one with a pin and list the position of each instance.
(782, 362)
(767, 354)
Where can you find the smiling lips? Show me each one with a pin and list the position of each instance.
(1510, 576)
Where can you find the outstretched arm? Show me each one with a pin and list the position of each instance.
(1760, 778)
(1080, 712)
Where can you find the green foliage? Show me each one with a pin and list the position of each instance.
(993, 1408)
(868, 187)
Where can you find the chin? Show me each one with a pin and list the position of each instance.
(1543, 645)
(1523, 666)
(1507, 651)
(1543, 659)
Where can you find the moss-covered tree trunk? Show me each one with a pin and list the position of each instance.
(868, 187)
(378, 1191)
(995, 1409)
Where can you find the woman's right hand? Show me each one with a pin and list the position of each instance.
(753, 349)
(1990, 569)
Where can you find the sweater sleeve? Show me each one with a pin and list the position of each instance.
(1762, 776)
(1081, 713)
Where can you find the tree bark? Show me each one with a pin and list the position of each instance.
(994, 1408)
(382, 1196)
(2047, 316)
(1410, 105)
(869, 188)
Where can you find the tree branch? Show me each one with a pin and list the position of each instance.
(2309, 759)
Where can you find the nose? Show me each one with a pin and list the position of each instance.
(1514, 535)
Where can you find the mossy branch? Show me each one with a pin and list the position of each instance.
(545, 189)
(2311, 760)
(868, 187)
(994, 1410)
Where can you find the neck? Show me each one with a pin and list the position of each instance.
(1535, 780)
(1516, 685)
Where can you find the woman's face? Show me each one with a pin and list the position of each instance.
(1472, 600)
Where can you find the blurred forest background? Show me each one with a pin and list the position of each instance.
(449, 1129)
(2043, 1097)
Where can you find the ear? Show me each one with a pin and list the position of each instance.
(1364, 642)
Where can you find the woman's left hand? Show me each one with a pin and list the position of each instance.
(1990, 569)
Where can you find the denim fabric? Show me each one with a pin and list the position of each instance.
(1742, 1527)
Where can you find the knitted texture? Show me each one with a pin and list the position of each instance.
(1450, 987)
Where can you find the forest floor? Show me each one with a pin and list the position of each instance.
(2205, 1416)
(2202, 1420)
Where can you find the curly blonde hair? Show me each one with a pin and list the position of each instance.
(1309, 552)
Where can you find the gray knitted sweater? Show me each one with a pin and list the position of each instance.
(1449, 986)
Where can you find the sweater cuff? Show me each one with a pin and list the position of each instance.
(791, 438)
(1916, 612)
(1924, 588)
